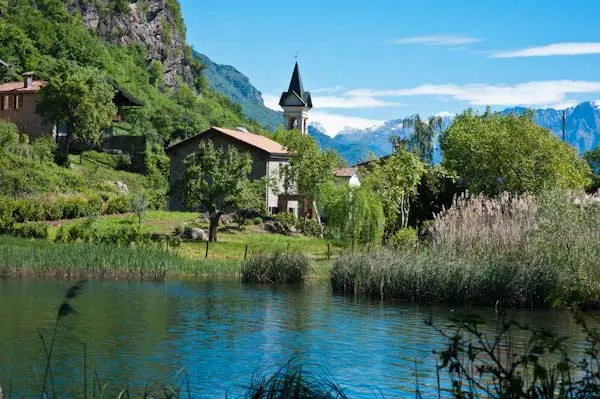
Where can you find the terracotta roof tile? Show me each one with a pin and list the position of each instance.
(255, 140)
(18, 87)
(344, 172)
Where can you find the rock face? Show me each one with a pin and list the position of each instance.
(156, 25)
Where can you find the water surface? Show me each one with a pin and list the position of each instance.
(222, 333)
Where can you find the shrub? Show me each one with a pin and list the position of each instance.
(117, 204)
(6, 215)
(139, 205)
(404, 238)
(43, 149)
(312, 228)
(257, 220)
(287, 219)
(35, 230)
(75, 207)
(26, 210)
(53, 210)
(276, 268)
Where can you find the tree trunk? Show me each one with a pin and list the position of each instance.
(214, 223)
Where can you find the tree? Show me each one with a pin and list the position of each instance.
(139, 205)
(213, 181)
(421, 141)
(593, 159)
(353, 214)
(310, 168)
(395, 180)
(80, 96)
(251, 198)
(494, 153)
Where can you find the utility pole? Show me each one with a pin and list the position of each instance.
(564, 124)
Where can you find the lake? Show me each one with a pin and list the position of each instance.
(222, 333)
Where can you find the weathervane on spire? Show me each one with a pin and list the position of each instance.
(296, 56)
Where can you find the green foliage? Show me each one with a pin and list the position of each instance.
(213, 179)
(495, 153)
(310, 168)
(257, 220)
(404, 239)
(36, 36)
(117, 204)
(92, 232)
(276, 268)
(35, 230)
(593, 159)
(519, 251)
(9, 135)
(396, 182)
(80, 96)
(139, 205)
(157, 74)
(435, 192)
(353, 215)
(286, 219)
(421, 141)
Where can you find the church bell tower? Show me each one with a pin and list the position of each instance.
(296, 103)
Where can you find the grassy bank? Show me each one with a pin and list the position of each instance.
(510, 251)
(23, 258)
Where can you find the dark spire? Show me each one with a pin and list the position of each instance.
(296, 91)
(296, 82)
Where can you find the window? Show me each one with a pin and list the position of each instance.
(3, 103)
(18, 101)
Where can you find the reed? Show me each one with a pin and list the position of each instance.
(512, 250)
(22, 258)
(279, 267)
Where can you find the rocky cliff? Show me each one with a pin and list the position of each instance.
(156, 25)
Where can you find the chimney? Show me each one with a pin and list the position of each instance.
(28, 80)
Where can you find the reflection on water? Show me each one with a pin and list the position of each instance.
(222, 333)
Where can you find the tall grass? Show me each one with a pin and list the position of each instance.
(22, 258)
(278, 267)
(511, 251)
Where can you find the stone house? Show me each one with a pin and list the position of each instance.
(18, 103)
(268, 158)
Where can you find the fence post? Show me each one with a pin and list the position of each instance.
(328, 252)
(206, 254)
(246, 252)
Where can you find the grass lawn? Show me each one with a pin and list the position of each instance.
(232, 244)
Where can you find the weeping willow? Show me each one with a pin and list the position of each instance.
(354, 215)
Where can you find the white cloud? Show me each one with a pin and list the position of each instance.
(529, 93)
(445, 114)
(271, 101)
(328, 90)
(339, 102)
(575, 48)
(351, 102)
(564, 105)
(334, 123)
(437, 40)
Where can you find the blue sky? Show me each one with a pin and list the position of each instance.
(367, 62)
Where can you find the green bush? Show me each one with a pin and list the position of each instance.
(53, 210)
(275, 268)
(75, 207)
(117, 204)
(404, 238)
(257, 220)
(27, 211)
(312, 228)
(37, 230)
(287, 219)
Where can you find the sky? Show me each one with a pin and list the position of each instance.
(368, 62)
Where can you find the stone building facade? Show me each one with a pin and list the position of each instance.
(268, 159)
